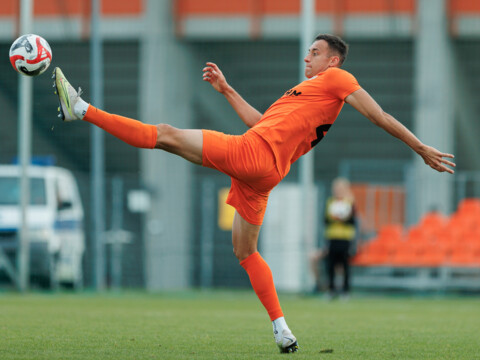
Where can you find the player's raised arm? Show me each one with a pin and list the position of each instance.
(368, 107)
(212, 74)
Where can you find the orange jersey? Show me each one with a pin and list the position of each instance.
(297, 121)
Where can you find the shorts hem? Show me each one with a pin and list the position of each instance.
(244, 215)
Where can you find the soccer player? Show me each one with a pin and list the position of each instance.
(260, 158)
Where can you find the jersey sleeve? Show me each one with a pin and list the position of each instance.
(342, 83)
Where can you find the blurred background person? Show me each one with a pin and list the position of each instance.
(339, 238)
(340, 231)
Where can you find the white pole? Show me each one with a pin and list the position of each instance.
(434, 112)
(97, 151)
(307, 32)
(307, 161)
(24, 150)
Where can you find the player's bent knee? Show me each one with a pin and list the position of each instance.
(242, 254)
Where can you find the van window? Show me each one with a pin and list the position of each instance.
(10, 191)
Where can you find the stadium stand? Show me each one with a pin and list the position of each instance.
(436, 245)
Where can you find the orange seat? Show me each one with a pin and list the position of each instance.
(360, 259)
(457, 223)
(373, 253)
(469, 206)
(416, 233)
(433, 222)
(444, 248)
(451, 235)
(472, 239)
(433, 258)
(464, 259)
(391, 232)
(404, 258)
(370, 259)
(465, 254)
(380, 247)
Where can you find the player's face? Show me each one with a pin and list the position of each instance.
(319, 58)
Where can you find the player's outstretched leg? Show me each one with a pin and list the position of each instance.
(187, 143)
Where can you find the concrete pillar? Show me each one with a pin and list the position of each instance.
(434, 105)
(165, 97)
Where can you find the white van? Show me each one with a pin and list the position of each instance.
(55, 222)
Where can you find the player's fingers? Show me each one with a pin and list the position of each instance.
(451, 156)
(213, 65)
(450, 171)
(209, 75)
(449, 163)
(442, 168)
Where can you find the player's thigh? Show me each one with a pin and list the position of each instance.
(244, 237)
(187, 143)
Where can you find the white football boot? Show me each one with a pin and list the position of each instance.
(67, 96)
(286, 341)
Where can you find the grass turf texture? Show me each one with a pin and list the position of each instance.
(233, 325)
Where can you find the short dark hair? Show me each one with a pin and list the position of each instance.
(336, 44)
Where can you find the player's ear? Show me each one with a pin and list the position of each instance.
(335, 61)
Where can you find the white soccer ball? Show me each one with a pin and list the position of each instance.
(30, 55)
(340, 209)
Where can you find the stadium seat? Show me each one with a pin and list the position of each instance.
(378, 259)
(465, 254)
(469, 206)
(433, 222)
(404, 255)
(471, 238)
(370, 259)
(404, 259)
(391, 232)
(451, 235)
(464, 258)
(434, 258)
(445, 247)
(373, 253)
(415, 233)
(457, 223)
(360, 259)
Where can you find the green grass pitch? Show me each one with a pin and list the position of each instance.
(233, 325)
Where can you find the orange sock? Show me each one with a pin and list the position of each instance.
(133, 132)
(262, 282)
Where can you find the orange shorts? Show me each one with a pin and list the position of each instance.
(250, 163)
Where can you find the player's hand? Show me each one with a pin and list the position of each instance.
(213, 75)
(435, 159)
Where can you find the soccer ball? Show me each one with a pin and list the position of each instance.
(30, 55)
(340, 209)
